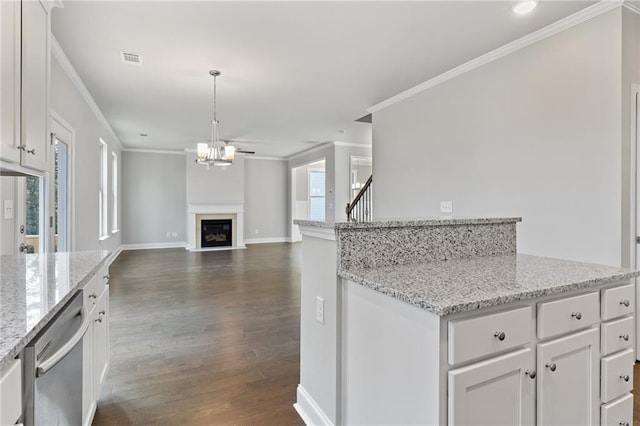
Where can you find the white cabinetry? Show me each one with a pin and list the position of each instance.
(24, 82)
(476, 388)
(11, 394)
(96, 343)
(568, 378)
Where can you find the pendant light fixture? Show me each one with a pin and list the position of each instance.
(216, 152)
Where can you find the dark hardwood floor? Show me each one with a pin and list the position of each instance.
(204, 338)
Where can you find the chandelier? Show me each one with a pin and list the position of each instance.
(216, 152)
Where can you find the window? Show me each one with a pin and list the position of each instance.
(114, 192)
(102, 193)
(316, 196)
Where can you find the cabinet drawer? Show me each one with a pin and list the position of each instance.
(565, 315)
(618, 412)
(90, 294)
(617, 301)
(616, 375)
(472, 338)
(616, 335)
(11, 394)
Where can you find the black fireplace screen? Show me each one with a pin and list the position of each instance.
(215, 233)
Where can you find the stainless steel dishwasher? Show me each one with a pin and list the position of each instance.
(53, 369)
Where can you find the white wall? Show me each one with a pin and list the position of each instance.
(535, 134)
(217, 185)
(69, 104)
(265, 204)
(153, 197)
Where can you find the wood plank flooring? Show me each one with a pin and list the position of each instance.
(208, 338)
(204, 338)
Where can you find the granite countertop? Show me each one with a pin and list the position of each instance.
(399, 223)
(452, 286)
(33, 288)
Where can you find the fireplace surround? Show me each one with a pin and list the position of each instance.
(197, 213)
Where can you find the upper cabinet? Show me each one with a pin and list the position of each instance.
(24, 75)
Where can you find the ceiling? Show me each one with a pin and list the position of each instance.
(294, 74)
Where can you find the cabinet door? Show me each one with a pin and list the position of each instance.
(568, 380)
(497, 391)
(10, 24)
(35, 54)
(101, 342)
(88, 400)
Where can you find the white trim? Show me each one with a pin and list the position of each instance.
(114, 255)
(50, 4)
(260, 157)
(225, 248)
(577, 18)
(310, 151)
(309, 409)
(149, 246)
(322, 233)
(353, 145)
(57, 120)
(632, 7)
(154, 151)
(267, 240)
(58, 53)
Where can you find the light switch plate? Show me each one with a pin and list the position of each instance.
(8, 209)
(446, 206)
(320, 309)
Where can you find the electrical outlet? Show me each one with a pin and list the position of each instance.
(256, 231)
(320, 309)
(174, 234)
(168, 234)
(446, 206)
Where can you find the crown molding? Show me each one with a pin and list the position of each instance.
(262, 157)
(153, 151)
(58, 53)
(310, 151)
(632, 7)
(563, 24)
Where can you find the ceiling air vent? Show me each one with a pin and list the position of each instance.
(130, 58)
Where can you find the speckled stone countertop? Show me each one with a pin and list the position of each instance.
(401, 223)
(460, 285)
(33, 288)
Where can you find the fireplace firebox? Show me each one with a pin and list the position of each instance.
(216, 233)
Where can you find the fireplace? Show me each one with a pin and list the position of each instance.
(216, 233)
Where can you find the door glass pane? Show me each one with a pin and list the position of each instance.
(61, 185)
(32, 214)
(317, 196)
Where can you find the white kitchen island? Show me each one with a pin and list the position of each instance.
(441, 322)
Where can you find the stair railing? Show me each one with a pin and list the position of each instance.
(359, 210)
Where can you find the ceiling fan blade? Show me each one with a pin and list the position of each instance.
(242, 151)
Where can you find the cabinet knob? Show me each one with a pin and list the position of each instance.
(102, 312)
(624, 337)
(625, 302)
(551, 366)
(31, 151)
(623, 423)
(531, 374)
(93, 296)
(99, 319)
(625, 377)
(577, 315)
(500, 335)
(106, 277)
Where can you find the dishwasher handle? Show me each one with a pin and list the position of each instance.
(47, 364)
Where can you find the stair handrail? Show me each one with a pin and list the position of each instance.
(354, 203)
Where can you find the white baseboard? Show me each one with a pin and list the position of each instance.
(309, 410)
(148, 246)
(267, 240)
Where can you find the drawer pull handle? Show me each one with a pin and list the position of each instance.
(500, 335)
(99, 319)
(577, 315)
(625, 377)
(106, 277)
(531, 374)
(624, 423)
(624, 337)
(551, 366)
(102, 312)
(93, 296)
(625, 302)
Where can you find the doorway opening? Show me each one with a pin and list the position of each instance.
(308, 194)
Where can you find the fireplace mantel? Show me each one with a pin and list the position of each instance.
(197, 211)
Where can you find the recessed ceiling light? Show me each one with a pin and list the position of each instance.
(524, 7)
